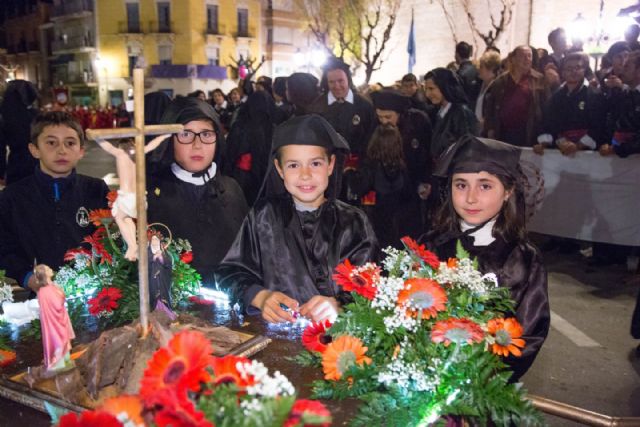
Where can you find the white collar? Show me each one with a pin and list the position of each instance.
(331, 99)
(222, 106)
(482, 237)
(189, 177)
(444, 110)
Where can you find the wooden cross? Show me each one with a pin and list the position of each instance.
(139, 131)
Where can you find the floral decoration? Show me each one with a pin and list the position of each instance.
(105, 302)
(315, 337)
(507, 334)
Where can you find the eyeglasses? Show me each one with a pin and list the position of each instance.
(187, 136)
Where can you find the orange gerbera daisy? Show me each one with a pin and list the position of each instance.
(342, 354)
(6, 357)
(421, 251)
(507, 333)
(459, 331)
(128, 409)
(315, 338)
(100, 216)
(225, 370)
(111, 197)
(422, 297)
(452, 262)
(181, 365)
(357, 279)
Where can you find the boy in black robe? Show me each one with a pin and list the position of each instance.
(47, 213)
(297, 233)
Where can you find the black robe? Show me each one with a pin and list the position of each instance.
(283, 250)
(624, 118)
(160, 272)
(34, 225)
(209, 216)
(519, 267)
(458, 121)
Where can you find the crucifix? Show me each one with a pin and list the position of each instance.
(138, 132)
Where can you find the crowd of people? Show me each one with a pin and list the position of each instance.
(287, 177)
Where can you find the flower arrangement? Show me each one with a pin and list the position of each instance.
(98, 271)
(184, 385)
(421, 340)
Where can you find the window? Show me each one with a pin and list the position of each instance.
(164, 54)
(212, 18)
(164, 17)
(213, 55)
(133, 17)
(132, 64)
(243, 22)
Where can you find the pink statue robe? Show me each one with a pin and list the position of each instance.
(57, 331)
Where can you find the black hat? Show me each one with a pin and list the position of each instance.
(389, 99)
(618, 47)
(280, 86)
(471, 155)
(309, 129)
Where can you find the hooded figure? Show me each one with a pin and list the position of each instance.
(500, 243)
(189, 194)
(302, 91)
(154, 105)
(248, 143)
(18, 111)
(454, 118)
(284, 109)
(289, 248)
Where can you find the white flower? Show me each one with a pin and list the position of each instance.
(464, 275)
(6, 293)
(251, 406)
(266, 385)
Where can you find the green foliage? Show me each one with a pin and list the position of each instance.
(33, 331)
(306, 358)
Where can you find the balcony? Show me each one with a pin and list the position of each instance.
(23, 47)
(245, 33)
(190, 71)
(218, 30)
(160, 27)
(83, 43)
(125, 27)
(72, 7)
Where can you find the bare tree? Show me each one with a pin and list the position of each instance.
(450, 20)
(498, 24)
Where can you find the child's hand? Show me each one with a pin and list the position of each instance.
(33, 284)
(269, 304)
(320, 308)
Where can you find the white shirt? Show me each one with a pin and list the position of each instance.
(444, 110)
(331, 99)
(187, 176)
(482, 237)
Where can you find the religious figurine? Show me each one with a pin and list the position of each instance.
(124, 208)
(57, 331)
(160, 269)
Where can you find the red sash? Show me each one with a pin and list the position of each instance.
(244, 162)
(623, 137)
(369, 199)
(573, 135)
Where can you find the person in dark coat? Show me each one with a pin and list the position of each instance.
(18, 110)
(454, 118)
(45, 214)
(284, 109)
(189, 194)
(575, 117)
(154, 105)
(222, 108)
(302, 91)
(485, 211)
(249, 142)
(297, 233)
(409, 86)
(468, 72)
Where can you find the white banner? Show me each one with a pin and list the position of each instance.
(589, 197)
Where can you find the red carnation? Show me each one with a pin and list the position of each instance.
(427, 256)
(106, 300)
(308, 413)
(89, 418)
(315, 337)
(186, 257)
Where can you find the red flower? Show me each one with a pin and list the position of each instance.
(106, 300)
(176, 410)
(358, 279)
(71, 254)
(197, 300)
(6, 357)
(96, 245)
(315, 338)
(111, 197)
(422, 298)
(225, 370)
(186, 257)
(180, 366)
(459, 331)
(89, 419)
(427, 256)
(308, 413)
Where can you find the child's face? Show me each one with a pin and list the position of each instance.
(477, 197)
(58, 149)
(195, 156)
(305, 170)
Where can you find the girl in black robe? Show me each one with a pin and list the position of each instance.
(205, 206)
(286, 252)
(500, 244)
(454, 118)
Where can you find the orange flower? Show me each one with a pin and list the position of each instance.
(111, 197)
(459, 331)
(6, 357)
(100, 216)
(180, 366)
(422, 297)
(225, 371)
(507, 333)
(452, 262)
(357, 279)
(315, 337)
(428, 257)
(128, 409)
(342, 354)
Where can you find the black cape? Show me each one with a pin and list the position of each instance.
(281, 249)
(209, 216)
(519, 267)
(458, 121)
